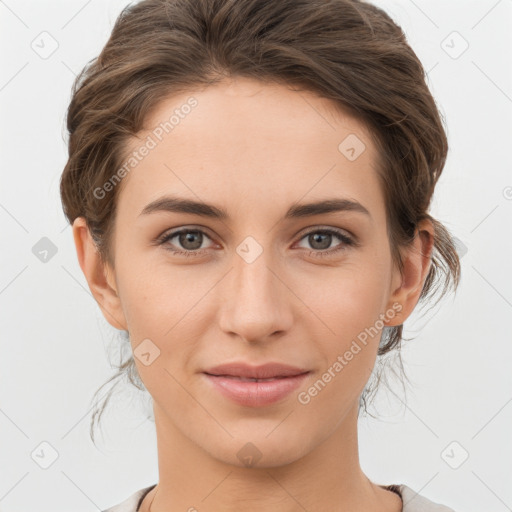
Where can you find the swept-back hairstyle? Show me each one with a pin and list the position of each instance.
(348, 51)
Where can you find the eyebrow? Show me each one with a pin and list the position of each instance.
(296, 210)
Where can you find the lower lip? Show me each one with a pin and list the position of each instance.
(256, 394)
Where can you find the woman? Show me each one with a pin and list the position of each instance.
(249, 183)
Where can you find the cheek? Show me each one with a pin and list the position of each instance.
(161, 309)
(347, 337)
(351, 301)
(153, 297)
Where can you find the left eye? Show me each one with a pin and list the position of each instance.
(192, 240)
(323, 238)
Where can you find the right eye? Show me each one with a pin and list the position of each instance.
(190, 239)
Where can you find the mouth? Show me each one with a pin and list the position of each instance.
(243, 370)
(253, 379)
(255, 392)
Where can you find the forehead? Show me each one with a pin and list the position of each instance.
(253, 143)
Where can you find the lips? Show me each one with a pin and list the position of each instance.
(246, 372)
(248, 379)
(257, 392)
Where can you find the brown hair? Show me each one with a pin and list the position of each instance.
(348, 51)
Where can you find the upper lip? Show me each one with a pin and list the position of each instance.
(264, 371)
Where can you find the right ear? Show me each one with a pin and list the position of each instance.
(98, 275)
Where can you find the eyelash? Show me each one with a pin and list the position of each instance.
(346, 242)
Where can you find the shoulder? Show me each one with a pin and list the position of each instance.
(414, 502)
(132, 503)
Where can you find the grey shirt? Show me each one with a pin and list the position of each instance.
(413, 502)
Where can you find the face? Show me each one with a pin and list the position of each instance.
(256, 285)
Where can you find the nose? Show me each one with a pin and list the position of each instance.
(256, 302)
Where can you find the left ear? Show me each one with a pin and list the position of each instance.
(417, 259)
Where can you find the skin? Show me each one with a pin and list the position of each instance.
(253, 149)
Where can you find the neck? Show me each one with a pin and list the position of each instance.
(327, 477)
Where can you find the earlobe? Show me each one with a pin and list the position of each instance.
(417, 260)
(97, 275)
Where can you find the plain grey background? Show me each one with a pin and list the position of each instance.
(448, 437)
